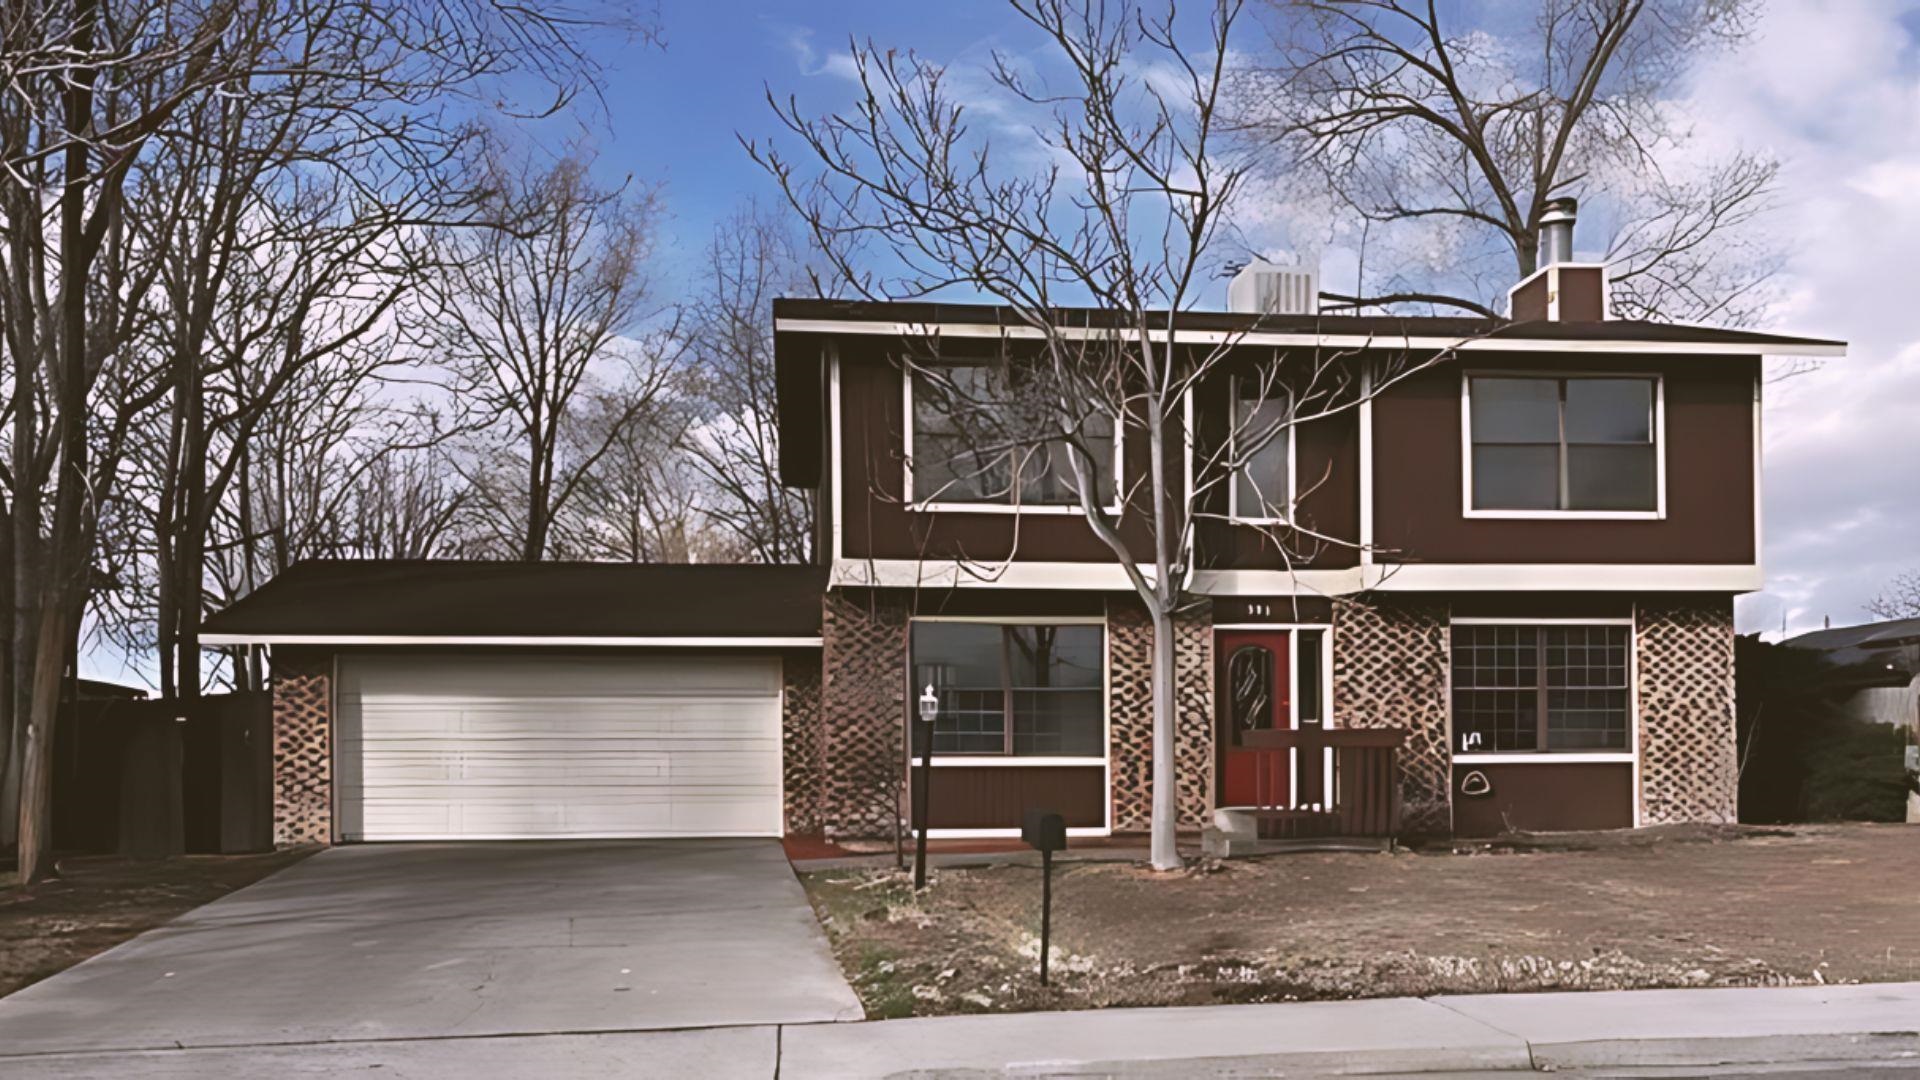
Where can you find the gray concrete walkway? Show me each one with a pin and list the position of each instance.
(439, 941)
(1850, 1031)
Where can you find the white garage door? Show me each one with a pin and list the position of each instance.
(435, 748)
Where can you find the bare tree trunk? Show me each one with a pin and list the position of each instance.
(1164, 850)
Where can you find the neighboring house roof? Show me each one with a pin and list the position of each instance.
(441, 601)
(800, 325)
(1872, 654)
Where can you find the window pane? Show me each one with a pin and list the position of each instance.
(1610, 478)
(961, 661)
(1609, 410)
(1516, 478)
(1054, 656)
(1309, 673)
(1262, 486)
(1587, 707)
(970, 432)
(1496, 678)
(1067, 723)
(1515, 410)
(1250, 688)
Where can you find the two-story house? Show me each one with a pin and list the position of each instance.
(1528, 551)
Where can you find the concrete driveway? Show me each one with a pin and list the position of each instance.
(429, 941)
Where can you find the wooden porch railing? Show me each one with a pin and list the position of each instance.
(1358, 793)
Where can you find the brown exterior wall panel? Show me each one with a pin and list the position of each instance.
(877, 523)
(1418, 484)
(1327, 481)
(1544, 797)
(998, 796)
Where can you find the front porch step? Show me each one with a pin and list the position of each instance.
(1235, 833)
(1215, 844)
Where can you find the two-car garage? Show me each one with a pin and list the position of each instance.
(511, 747)
(468, 700)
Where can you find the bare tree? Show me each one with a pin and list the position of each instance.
(1444, 131)
(643, 499)
(533, 315)
(1900, 599)
(753, 258)
(1124, 210)
(92, 94)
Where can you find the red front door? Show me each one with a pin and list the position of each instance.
(1254, 694)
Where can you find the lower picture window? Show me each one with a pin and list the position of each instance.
(1540, 689)
(1023, 690)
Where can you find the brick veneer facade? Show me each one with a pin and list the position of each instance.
(863, 701)
(844, 711)
(1130, 664)
(803, 741)
(1683, 653)
(1390, 662)
(302, 746)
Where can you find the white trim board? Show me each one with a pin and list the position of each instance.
(516, 641)
(1264, 338)
(1387, 577)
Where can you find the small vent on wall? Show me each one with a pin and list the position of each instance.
(1263, 288)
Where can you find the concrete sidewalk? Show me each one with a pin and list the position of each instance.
(1393, 1035)
(1695, 1030)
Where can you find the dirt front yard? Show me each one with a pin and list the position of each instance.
(97, 902)
(1661, 908)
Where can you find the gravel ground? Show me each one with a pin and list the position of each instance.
(1654, 908)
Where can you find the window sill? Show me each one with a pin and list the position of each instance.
(971, 760)
(1539, 757)
(1260, 521)
(1569, 515)
(999, 508)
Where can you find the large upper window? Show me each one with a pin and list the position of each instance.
(1262, 449)
(975, 440)
(1563, 443)
(1017, 690)
(1533, 689)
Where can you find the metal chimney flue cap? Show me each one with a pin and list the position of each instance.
(1561, 209)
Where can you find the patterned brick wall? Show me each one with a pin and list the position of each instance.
(302, 747)
(1130, 652)
(1683, 650)
(863, 704)
(1390, 670)
(802, 741)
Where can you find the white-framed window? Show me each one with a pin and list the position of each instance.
(1014, 689)
(1547, 688)
(971, 447)
(1263, 489)
(1563, 445)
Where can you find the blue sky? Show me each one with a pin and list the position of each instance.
(1832, 87)
(673, 115)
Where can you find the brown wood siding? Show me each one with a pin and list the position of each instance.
(1327, 476)
(1544, 797)
(1418, 485)
(877, 523)
(998, 796)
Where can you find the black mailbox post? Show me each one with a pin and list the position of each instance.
(1045, 832)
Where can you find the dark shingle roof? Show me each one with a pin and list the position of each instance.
(468, 598)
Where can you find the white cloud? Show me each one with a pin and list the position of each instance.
(1832, 87)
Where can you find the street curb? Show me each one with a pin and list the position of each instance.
(1706, 1052)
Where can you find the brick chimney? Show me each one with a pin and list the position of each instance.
(1561, 290)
